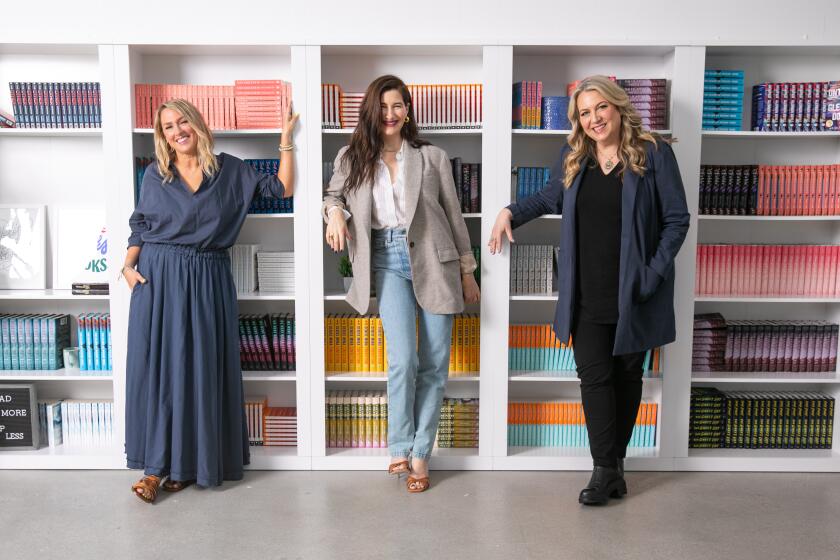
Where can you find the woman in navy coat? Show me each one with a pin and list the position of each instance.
(624, 219)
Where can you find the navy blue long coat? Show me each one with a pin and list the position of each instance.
(654, 222)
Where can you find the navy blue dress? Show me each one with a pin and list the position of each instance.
(185, 415)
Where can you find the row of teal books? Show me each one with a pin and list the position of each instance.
(33, 342)
(95, 342)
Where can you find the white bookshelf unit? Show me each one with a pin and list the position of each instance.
(75, 167)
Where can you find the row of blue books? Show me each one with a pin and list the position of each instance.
(530, 180)
(262, 205)
(56, 104)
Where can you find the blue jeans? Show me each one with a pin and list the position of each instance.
(418, 366)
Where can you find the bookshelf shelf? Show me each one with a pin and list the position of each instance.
(569, 376)
(63, 457)
(764, 377)
(269, 376)
(377, 459)
(473, 215)
(277, 458)
(52, 375)
(534, 297)
(288, 216)
(48, 294)
(236, 133)
(757, 134)
(50, 132)
(268, 296)
(768, 460)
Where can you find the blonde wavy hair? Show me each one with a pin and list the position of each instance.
(631, 151)
(164, 152)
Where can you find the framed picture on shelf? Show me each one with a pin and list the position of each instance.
(23, 253)
(80, 251)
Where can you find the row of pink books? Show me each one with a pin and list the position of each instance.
(798, 190)
(768, 270)
(436, 106)
(247, 104)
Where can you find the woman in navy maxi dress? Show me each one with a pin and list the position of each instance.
(185, 415)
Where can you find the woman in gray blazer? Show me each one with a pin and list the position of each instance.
(392, 202)
(624, 219)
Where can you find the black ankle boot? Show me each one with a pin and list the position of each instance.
(620, 467)
(604, 484)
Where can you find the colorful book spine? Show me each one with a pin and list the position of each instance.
(562, 424)
(532, 269)
(267, 342)
(356, 345)
(33, 342)
(80, 423)
(467, 178)
(795, 106)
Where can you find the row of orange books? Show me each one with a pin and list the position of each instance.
(768, 270)
(355, 343)
(798, 190)
(246, 104)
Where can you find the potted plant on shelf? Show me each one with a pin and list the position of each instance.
(345, 268)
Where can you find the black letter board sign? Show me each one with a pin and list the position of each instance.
(18, 417)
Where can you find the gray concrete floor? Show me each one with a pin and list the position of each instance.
(486, 515)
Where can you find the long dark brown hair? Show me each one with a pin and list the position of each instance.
(362, 155)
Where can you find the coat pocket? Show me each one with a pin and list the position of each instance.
(447, 255)
(649, 282)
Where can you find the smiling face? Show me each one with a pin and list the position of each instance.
(178, 132)
(394, 111)
(599, 118)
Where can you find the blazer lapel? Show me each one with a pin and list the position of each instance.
(413, 175)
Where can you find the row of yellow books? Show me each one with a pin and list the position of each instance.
(355, 343)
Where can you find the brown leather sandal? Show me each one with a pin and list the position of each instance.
(399, 468)
(176, 485)
(416, 484)
(146, 488)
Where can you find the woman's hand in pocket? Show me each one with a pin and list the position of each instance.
(132, 277)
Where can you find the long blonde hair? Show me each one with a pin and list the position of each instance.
(164, 153)
(631, 151)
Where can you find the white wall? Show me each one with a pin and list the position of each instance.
(491, 22)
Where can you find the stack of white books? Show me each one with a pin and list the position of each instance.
(276, 271)
(243, 266)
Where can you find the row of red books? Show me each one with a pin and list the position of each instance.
(768, 270)
(436, 106)
(246, 104)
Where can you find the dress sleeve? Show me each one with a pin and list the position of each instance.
(256, 183)
(137, 222)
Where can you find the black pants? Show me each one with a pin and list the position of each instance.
(611, 390)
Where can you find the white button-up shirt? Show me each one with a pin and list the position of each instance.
(389, 198)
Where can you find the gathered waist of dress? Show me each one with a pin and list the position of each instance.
(188, 250)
